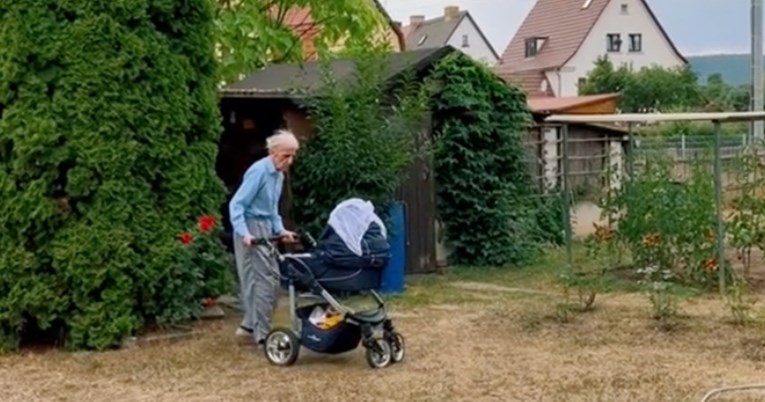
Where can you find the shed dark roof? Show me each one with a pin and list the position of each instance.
(290, 80)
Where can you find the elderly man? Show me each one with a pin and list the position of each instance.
(254, 214)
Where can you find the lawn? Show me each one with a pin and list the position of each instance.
(473, 335)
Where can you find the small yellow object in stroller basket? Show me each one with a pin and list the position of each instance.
(332, 320)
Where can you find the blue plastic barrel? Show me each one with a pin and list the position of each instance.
(393, 275)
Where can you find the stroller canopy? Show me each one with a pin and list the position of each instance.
(351, 219)
(355, 237)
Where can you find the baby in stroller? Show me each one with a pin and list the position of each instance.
(349, 257)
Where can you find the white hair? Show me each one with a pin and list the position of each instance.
(282, 139)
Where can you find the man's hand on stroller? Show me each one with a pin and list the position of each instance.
(288, 237)
(248, 240)
(284, 237)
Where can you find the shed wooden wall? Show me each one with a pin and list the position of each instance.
(588, 149)
(588, 154)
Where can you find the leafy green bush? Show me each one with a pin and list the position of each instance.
(365, 140)
(485, 193)
(108, 129)
(201, 270)
(550, 217)
(674, 130)
(669, 224)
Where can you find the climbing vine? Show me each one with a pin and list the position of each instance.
(485, 195)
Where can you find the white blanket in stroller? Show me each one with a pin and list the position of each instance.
(351, 219)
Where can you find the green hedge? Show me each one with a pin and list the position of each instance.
(108, 129)
(485, 195)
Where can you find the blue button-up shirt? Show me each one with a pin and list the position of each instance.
(258, 197)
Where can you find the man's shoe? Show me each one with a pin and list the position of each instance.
(244, 335)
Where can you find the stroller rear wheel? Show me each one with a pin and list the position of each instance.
(379, 353)
(281, 347)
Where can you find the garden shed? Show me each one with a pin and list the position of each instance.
(590, 145)
(275, 97)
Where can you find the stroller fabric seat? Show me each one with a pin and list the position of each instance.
(352, 251)
(375, 250)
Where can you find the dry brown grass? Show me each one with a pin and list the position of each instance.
(464, 344)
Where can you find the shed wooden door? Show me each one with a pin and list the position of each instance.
(418, 193)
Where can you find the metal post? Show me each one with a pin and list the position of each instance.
(757, 71)
(682, 145)
(719, 209)
(630, 151)
(566, 196)
(293, 302)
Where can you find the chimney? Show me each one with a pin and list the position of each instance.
(416, 20)
(451, 13)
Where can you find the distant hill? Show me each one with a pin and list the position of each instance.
(734, 68)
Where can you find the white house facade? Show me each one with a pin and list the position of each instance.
(628, 34)
(560, 40)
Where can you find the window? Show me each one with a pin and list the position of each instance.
(533, 46)
(625, 8)
(614, 43)
(636, 43)
(580, 83)
(465, 41)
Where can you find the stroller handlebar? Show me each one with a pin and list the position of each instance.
(265, 241)
(272, 241)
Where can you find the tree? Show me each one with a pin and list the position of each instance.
(253, 33)
(108, 129)
(364, 143)
(723, 97)
(649, 88)
(604, 78)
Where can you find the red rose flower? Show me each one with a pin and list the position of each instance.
(186, 238)
(206, 223)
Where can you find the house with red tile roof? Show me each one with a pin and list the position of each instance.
(300, 20)
(455, 28)
(558, 42)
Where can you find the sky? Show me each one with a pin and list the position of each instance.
(695, 26)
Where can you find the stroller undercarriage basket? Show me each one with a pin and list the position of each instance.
(333, 266)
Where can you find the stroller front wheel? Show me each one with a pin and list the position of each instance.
(281, 347)
(397, 345)
(379, 353)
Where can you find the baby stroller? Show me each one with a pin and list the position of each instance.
(349, 257)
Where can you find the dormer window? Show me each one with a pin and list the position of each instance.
(534, 45)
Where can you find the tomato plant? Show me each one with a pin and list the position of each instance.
(669, 224)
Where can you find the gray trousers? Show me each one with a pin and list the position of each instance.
(259, 280)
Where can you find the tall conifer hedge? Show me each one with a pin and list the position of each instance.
(108, 129)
